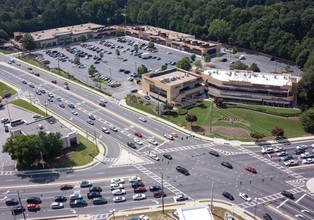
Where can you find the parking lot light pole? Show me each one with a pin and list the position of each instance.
(113, 211)
(211, 199)
(8, 110)
(256, 201)
(162, 193)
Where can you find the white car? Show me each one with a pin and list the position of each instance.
(138, 141)
(281, 153)
(116, 186)
(291, 163)
(50, 95)
(105, 130)
(152, 141)
(154, 156)
(74, 112)
(302, 147)
(118, 192)
(133, 179)
(245, 197)
(3, 120)
(139, 196)
(306, 155)
(119, 199)
(267, 150)
(117, 180)
(169, 136)
(36, 116)
(308, 161)
(142, 119)
(144, 217)
(56, 205)
(113, 128)
(278, 149)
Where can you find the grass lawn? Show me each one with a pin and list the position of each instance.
(151, 215)
(8, 51)
(24, 104)
(5, 87)
(143, 108)
(79, 155)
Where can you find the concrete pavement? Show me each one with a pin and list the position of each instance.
(310, 185)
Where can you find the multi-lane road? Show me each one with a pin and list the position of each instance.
(271, 178)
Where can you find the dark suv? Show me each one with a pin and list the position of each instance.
(228, 195)
(131, 145)
(287, 194)
(183, 170)
(33, 200)
(95, 189)
(92, 195)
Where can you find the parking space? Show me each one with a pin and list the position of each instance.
(117, 72)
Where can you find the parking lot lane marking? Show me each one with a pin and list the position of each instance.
(300, 198)
(282, 203)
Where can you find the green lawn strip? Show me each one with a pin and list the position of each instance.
(7, 51)
(6, 87)
(26, 105)
(59, 72)
(143, 108)
(151, 215)
(79, 156)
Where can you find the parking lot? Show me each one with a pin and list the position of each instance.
(117, 70)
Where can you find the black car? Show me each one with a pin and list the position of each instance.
(11, 201)
(99, 201)
(168, 156)
(154, 188)
(62, 105)
(214, 153)
(137, 184)
(183, 170)
(17, 210)
(228, 195)
(134, 90)
(287, 194)
(299, 151)
(266, 216)
(71, 105)
(92, 195)
(95, 189)
(131, 144)
(226, 164)
(60, 199)
(33, 200)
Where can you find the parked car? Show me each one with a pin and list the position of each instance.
(134, 179)
(138, 134)
(60, 199)
(92, 195)
(152, 141)
(119, 199)
(33, 200)
(57, 205)
(131, 144)
(139, 196)
(117, 180)
(140, 189)
(308, 161)
(33, 207)
(76, 196)
(168, 136)
(181, 197)
(154, 188)
(17, 210)
(137, 184)
(159, 194)
(11, 201)
(66, 187)
(99, 201)
(85, 184)
(117, 192)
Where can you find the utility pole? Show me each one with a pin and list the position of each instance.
(59, 67)
(8, 110)
(211, 199)
(18, 195)
(95, 137)
(46, 107)
(162, 193)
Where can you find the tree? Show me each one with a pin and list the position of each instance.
(28, 42)
(257, 135)
(135, 47)
(76, 59)
(193, 56)
(277, 132)
(219, 30)
(141, 70)
(164, 67)
(238, 65)
(168, 107)
(4, 35)
(254, 68)
(82, 38)
(184, 63)
(92, 69)
(191, 118)
(198, 64)
(234, 51)
(306, 89)
(302, 57)
(50, 144)
(307, 120)
(151, 45)
(118, 52)
(218, 101)
(207, 58)
(23, 148)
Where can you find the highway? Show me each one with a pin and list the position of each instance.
(271, 178)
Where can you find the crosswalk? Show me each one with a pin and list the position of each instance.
(104, 216)
(268, 198)
(158, 179)
(106, 159)
(296, 183)
(7, 173)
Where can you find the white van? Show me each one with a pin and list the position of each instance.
(242, 57)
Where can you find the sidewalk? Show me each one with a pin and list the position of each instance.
(310, 185)
(232, 208)
(215, 140)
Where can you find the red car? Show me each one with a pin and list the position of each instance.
(140, 189)
(33, 207)
(138, 134)
(66, 187)
(251, 169)
(158, 194)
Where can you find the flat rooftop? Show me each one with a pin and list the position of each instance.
(75, 29)
(199, 213)
(48, 124)
(249, 76)
(173, 76)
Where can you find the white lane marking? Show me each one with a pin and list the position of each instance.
(282, 203)
(300, 198)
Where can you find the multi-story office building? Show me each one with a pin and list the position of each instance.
(175, 86)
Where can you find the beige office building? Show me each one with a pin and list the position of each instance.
(175, 86)
(252, 87)
(172, 39)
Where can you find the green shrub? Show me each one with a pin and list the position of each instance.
(182, 111)
(257, 135)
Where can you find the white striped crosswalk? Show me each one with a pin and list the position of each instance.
(101, 216)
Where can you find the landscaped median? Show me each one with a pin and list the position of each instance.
(4, 87)
(28, 106)
(231, 121)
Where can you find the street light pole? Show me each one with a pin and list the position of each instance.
(212, 196)
(162, 193)
(8, 110)
(256, 201)
(18, 195)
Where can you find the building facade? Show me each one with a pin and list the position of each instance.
(180, 41)
(69, 137)
(175, 86)
(252, 87)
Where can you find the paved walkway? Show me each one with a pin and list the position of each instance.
(310, 185)
(127, 158)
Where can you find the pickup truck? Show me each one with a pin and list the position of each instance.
(78, 203)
